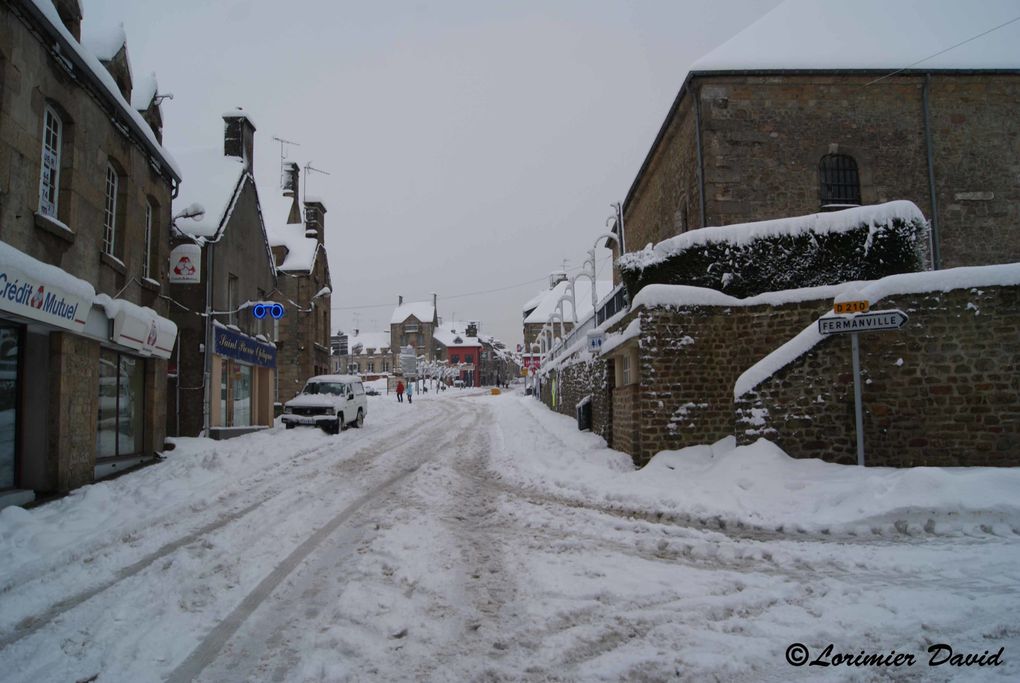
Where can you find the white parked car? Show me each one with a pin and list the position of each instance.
(331, 402)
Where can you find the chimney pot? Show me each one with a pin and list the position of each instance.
(400, 300)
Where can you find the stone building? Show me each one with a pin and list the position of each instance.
(413, 324)
(298, 241)
(792, 117)
(85, 196)
(226, 366)
(368, 353)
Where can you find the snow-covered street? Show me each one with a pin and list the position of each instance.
(478, 537)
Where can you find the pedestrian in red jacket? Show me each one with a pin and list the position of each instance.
(400, 392)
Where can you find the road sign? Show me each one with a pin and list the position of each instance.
(842, 307)
(862, 322)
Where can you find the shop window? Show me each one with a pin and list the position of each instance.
(10, 344)
(121, 426)
(224, 381)
(468, 358)
(840, 183)
(49, 183)
(242, 395)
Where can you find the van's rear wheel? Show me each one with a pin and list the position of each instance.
(361, 419)
(288, 425)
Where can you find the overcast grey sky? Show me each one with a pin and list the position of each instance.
(471, 145)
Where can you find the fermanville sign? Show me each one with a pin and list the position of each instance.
(862, 322)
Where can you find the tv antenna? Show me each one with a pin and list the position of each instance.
(283, 158)
(308, 168)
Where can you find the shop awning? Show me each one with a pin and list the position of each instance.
(138, 327)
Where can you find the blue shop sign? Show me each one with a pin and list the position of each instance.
(244, 348)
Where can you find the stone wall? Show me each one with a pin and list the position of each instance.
(690, 358)
(763, 137)
(74, 373)
(584, 378)
(942, 391)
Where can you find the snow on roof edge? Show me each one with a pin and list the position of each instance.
(1003, 275)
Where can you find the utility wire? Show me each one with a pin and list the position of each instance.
(461, 296)
(941, 52)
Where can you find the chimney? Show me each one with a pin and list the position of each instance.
(400, 300)
(291, 184)
(70, 16)
(471, 330)
(355, 331)
(556, 277)
(434, 297)
(239, 138)
(315, 219)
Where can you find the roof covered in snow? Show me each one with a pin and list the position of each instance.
(424, 311)
(143, 90)
(369, 340)
(211, 181)
(874, 34)
(301, 249)
(582, 293)
(448, 334)
(98, 74)
(103, 41)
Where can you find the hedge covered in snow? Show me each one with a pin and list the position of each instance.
(864, 243)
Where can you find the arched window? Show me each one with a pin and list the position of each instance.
(840, 184)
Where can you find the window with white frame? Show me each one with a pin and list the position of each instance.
(147, 259)
(49, 183)
(110, 210)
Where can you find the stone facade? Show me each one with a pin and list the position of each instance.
(687, 360)
(74, 373)
(942, 391)
(761, 138)
(59, 370)
(575, 382)
(237, 263)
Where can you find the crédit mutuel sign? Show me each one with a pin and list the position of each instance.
(40, 301)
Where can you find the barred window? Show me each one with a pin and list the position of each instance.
(840, 184)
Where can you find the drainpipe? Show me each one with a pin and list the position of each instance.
(207, 372)
(936, 254)
(701, 163)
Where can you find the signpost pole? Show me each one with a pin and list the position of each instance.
(858, 411)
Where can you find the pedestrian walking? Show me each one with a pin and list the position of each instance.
(410, 390)
(400, 393)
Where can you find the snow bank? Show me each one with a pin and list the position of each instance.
(753, 487)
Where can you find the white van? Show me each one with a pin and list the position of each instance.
(331, 402)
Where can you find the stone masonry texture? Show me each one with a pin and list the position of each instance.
(942, 391)
(763, 136)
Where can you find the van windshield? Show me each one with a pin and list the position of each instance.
(334, 388)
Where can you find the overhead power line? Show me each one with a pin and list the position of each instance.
(942, 52)
(464, 294)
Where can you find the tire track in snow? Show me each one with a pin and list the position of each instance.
(266, 494)
(209, 649)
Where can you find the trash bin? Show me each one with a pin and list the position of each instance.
(584, 414)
